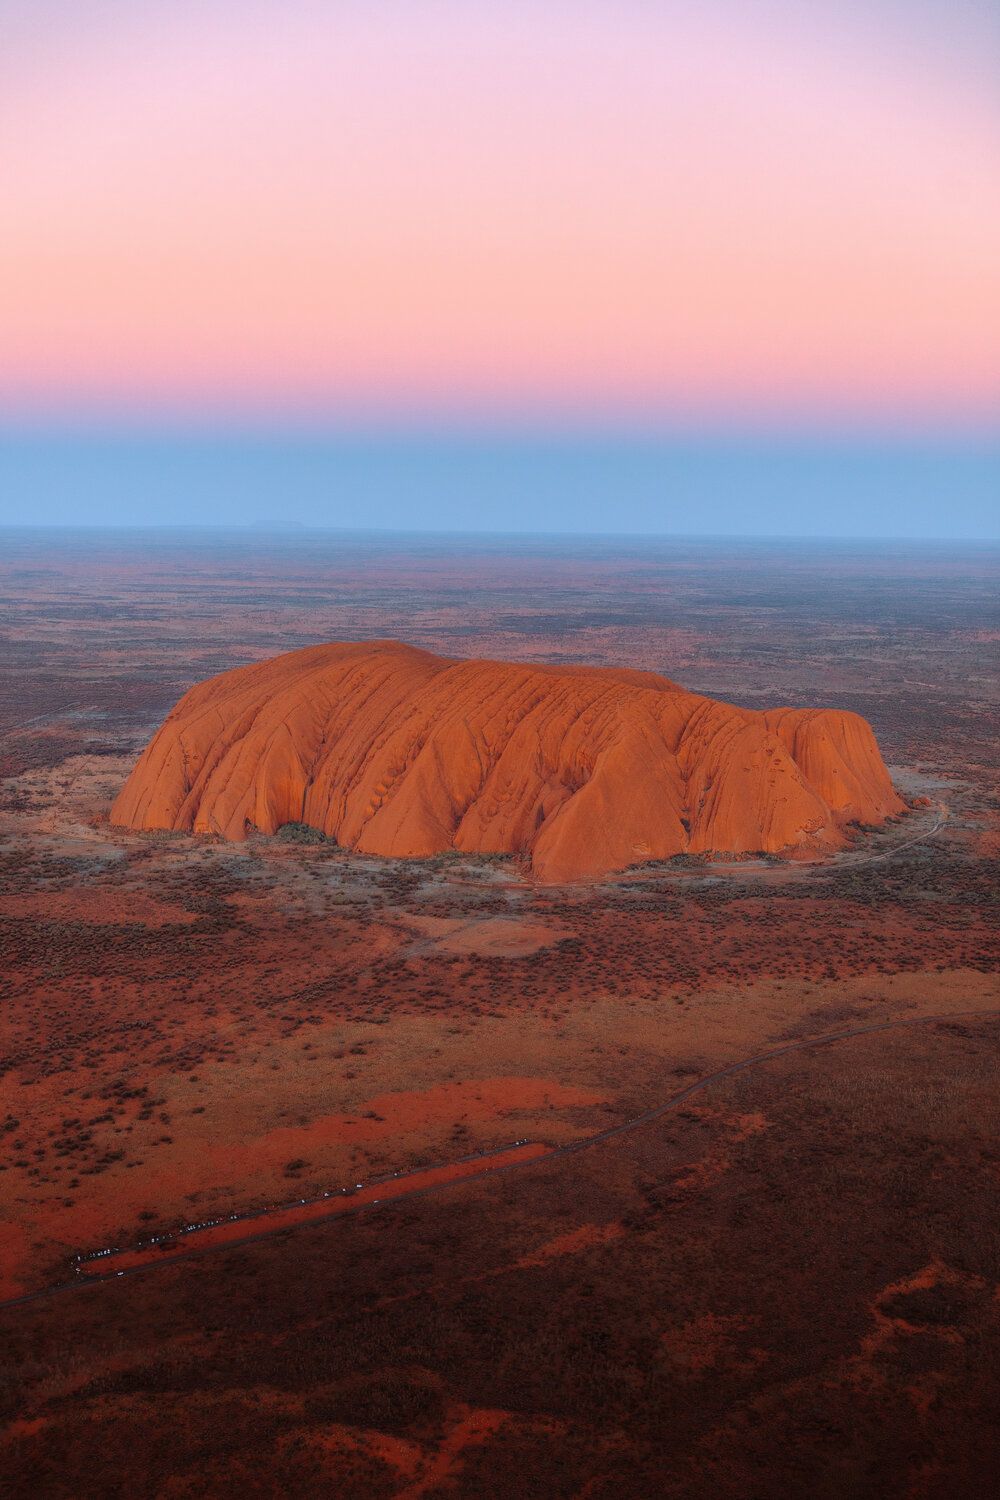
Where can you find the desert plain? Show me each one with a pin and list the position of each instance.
(390, 1153)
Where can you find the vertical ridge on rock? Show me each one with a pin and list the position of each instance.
(577, 770)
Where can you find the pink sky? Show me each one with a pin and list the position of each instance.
(460, 209)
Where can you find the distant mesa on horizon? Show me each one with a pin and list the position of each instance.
(579, 771)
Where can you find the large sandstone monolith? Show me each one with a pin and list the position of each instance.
(578, 770)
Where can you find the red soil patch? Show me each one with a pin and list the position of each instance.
(571, 1243)
(199, 1167)
(477, 1426)
(108, 906)
(390, 1116)
(498, 937)
(890, 1326)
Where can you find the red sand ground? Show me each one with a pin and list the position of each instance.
(206, 1028)
(230, 1231)
(191, 1027)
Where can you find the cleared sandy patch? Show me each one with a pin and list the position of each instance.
(103, 906)
(572, 1243)
(391, 1116)
(496, 937)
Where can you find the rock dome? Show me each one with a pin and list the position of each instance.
(577, 770)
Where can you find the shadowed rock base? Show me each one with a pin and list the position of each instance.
(579, 770)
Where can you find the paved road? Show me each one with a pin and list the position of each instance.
(572, 1148)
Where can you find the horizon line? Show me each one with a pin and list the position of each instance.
(301, 529)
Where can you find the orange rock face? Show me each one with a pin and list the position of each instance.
(579, 770)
